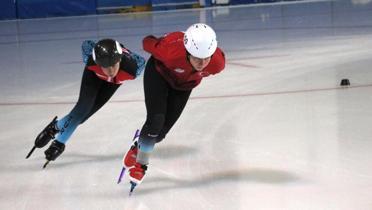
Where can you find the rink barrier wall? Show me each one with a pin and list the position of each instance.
(27, 9)
(8, 10)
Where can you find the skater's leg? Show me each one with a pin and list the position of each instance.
(90, 87)
(64, 128)
(156, 93)
(104, 94)
(177, 101)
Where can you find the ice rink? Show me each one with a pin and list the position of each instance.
(273, 131)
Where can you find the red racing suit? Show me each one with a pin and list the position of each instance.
(171, 61)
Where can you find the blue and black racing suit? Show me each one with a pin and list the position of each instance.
(97, 88)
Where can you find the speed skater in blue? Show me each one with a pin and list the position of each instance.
(107, 65)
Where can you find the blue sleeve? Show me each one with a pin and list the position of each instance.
(140, 63)
(86, 49)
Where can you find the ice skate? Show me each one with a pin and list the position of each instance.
(54, 150)
(129, 159)
(45, 136)
(136, 175)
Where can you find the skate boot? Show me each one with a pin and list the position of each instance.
(129, 159)
(136, 175)
(45, 136)
(54, 150)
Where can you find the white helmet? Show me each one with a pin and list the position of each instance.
(200, 40)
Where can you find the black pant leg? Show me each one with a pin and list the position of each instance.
(163, 103)
(90, 85)
(105, 92)
(156, 93)
(89, 88)
(177, 101)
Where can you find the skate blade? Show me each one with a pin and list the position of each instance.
(31, 151)
(121, 174)
(133, 185)
(46, 163)
(137, 134)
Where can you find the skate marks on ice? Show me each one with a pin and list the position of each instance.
(72, 159)
(36, 163)
(165, 182)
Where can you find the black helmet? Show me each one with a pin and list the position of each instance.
(107, 52)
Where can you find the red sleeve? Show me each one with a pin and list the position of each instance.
(218, 62)
(155, 47)
(166, 47)
(123, 75)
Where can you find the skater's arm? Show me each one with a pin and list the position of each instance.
(217, 63)
(155, 46)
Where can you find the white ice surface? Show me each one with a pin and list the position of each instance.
(273, 131)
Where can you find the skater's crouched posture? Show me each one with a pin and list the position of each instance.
(178, 63)
(108, 65)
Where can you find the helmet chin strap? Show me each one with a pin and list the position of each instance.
(188, 59)
(188, 55)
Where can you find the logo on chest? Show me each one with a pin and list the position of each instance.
(178, 70)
